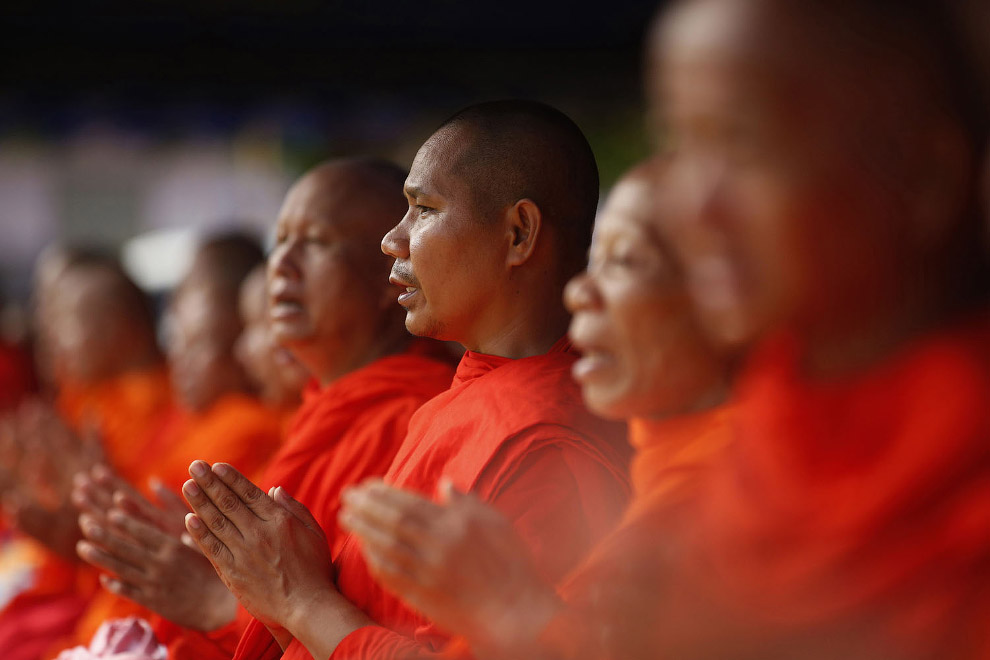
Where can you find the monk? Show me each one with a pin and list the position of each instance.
(114, 391)
(501, 201)
(644, 358)
(331, 305)
(277, 376)
(216, 415)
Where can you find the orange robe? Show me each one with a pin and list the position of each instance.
(850, 518)
(517, 435)
(614, 589)
(126, 410)
(343, 433)
(236, 429)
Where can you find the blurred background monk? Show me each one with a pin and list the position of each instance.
(330, 303)
(216, 415)
(501, 202)
(113, 391)
(645, 358)
(277, 376)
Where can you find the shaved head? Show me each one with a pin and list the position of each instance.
(517, 149)
(223, 261)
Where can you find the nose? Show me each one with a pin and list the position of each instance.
(581, 294)
(396, 242)
(284, 261)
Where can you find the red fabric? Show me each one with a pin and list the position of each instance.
(515, 433)
(347, 432)
(614, 591)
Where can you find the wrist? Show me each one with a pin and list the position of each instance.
(323, 620)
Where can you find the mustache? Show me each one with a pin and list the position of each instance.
(404, 274)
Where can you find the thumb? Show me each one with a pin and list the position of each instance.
(296, 508)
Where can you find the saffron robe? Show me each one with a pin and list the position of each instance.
(343, 433)
(850, 518)
(516, 434)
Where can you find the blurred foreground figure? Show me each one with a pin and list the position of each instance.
(329, 302)
(825, 162)
(500, 206)
(114, 391)
(216, 415)
(644, 358)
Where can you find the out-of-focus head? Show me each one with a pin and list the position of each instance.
(276, 375)
(330, 300)
(49, 266)
(823, 160)
(501, 202)
(100, 323)
(643, 353)
(204, 322)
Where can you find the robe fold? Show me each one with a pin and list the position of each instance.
(342, 434)
(125, 410)
(849, 518)
(517, 435)
(236, 429)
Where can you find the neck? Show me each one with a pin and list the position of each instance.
(525, 336)
(385, 343)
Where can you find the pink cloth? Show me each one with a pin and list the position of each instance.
(120, 639)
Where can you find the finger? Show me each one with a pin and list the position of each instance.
(190, 542)
(148, 536)
(126, 590)
(402, 514)
(298, 509)
(389, 549)
(93, 554)
(88, 496)
(167, 499)
(207, 542)
(208, 514)
(253, 497)
(112, 543)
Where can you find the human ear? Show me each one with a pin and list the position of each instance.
(525, 220)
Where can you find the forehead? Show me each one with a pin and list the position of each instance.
(316, 199)
(434, 170)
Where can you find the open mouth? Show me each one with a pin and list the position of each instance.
(407, 295)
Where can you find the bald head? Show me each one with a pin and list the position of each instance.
(223, 261)
(516, 149)
(103, 324)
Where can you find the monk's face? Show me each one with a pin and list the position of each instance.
(326, 279)
(643, 354)
(86, 330)
(785, 206)
(200, 348)
(273, 370)
(448, 256)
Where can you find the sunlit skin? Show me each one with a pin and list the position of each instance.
(644, 356)
(489, 279)
(278, 377)
(799, 201)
